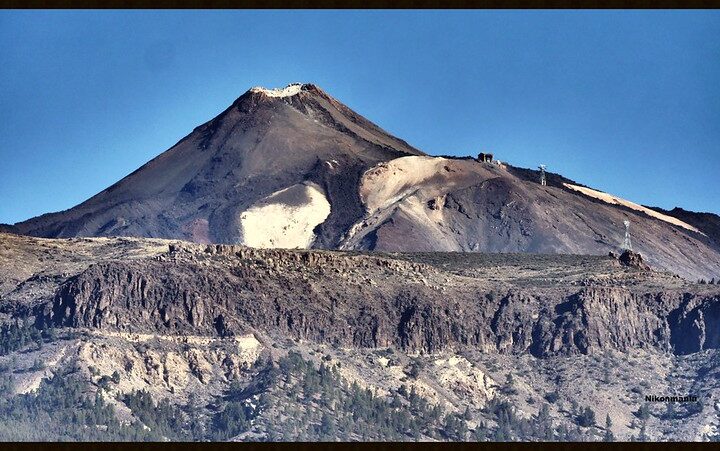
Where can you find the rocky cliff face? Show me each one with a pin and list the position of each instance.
(202, 327)
(366, 301)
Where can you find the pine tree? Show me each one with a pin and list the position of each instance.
(544, 424)
(563, 433)
(480, 432)
(500, 435)
(509, 387)
(415, 369)
(415, 431)
(644, 412)
(586, 418)
(643, 433)
(609, 436)
(402, 391)
(670, 411)
(327, 427)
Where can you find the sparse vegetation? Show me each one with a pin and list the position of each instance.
(17, 335)
(331, 404)
(67, 411)
(163, 419)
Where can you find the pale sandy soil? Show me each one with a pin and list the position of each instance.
(609, 198)
(389, 182)
(272, 223)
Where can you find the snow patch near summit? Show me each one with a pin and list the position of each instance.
(287, 91)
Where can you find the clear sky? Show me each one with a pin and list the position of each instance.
(625, 102)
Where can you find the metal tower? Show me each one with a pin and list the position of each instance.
(542, 174)
(627, 244)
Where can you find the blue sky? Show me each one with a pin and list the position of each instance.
(625, 102)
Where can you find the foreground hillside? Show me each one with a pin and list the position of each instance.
(125, 338)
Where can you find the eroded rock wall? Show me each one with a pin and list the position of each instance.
(364, 301)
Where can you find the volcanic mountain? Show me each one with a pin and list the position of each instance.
(287, 154)
(295, 168)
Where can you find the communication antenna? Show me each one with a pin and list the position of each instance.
(542, 174)
(627, 244)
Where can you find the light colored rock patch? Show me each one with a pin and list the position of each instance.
(32, 381)
(459, 376)
(390, 181)
(416, 208)
(272, 223)
(409, 183)
(247, 344)
(609, 198)
(165, 365)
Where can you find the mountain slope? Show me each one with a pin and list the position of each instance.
(420, 203)
(295, 168)
(265, 142)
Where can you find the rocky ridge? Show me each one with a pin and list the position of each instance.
(334, 298)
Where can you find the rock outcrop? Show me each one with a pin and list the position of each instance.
(333, 298)
(633, 260)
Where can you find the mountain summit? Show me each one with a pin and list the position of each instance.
(296, 147)
(295, 168)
